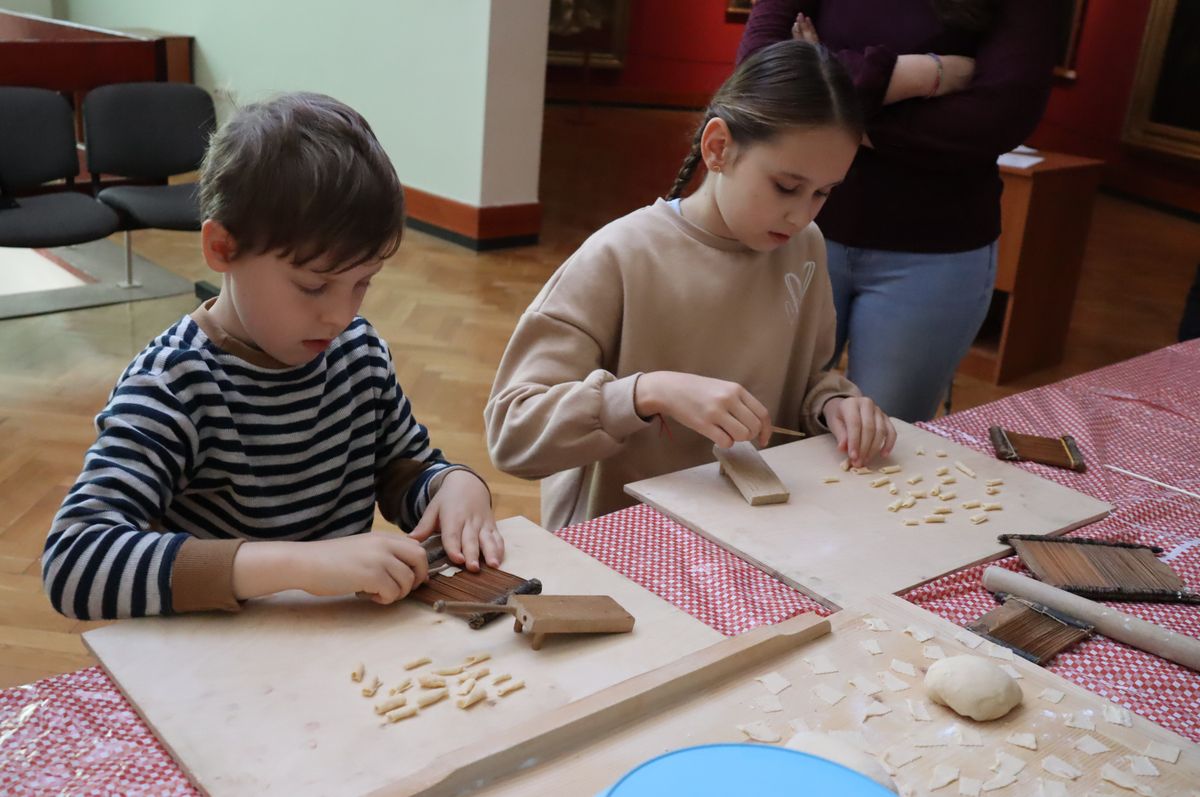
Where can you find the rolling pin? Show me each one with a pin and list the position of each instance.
(1116, 625)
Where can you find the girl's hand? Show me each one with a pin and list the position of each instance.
(862, 429)
(724, 412)
(385, 565)
(804, 30)
(462, 511)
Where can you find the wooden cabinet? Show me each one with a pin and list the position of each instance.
(1045, 212)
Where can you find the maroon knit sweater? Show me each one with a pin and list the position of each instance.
(931, 183)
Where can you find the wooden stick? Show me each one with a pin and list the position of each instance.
(468, 607)
(1114, 624)
(784, 430)
(566, 729)
(1152, 481)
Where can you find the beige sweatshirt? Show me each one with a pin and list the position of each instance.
(653, 292)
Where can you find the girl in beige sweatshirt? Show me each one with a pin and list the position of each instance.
(695, 321)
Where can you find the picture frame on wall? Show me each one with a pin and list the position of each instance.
(738, 10)
(1163, 113)
(1071, 24)
(588, 33)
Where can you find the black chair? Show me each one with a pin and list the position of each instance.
(148, 131)
(37, 146)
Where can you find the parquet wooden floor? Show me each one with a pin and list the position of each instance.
(447, 313)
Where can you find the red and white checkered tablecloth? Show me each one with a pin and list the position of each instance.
(75, 734)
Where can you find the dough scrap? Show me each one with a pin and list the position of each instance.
(1091, 745)
(760, 732)
(774, 682)
(1051, 695)
(871, 646)
(1026, 740)
(1056, 766)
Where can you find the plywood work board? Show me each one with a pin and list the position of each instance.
(555, 755)
(838, 543)
(262, 702)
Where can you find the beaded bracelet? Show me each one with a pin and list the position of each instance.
(937, 82)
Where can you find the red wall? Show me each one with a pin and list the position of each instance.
(680, 51)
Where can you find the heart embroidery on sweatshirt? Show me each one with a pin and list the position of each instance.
(796, 286)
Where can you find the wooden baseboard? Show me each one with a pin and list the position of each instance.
(478, 228)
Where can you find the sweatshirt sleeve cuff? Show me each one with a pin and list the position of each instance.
(435, 483)
(202, 576)
(618, 416)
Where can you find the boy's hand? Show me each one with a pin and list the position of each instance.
(724, 412)
(387, 565)
(462, 512)
(862, 429)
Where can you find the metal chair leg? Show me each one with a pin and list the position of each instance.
(129, 282)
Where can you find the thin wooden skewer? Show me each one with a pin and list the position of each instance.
(792, 432)
(1152, 481)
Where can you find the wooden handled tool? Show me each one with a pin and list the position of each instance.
(539, 615)
(790, 432)
(1114, 624)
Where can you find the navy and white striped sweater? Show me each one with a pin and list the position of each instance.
(198, 442)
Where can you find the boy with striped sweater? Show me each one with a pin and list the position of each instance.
(242, 452)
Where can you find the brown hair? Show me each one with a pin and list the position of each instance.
(303, 175)
(786, 85)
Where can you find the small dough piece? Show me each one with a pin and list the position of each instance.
(902, 667)
(918, 710)
(1051, 695)
(821, 665)
(431, 681)
(1000, 652)
(969, 787)
(919, 633)
(1026, 740)
(881, 481)
(1006, 764)
(866, 685)
(449, 571)
(950, 496)
(936, 491)
(828, 694)
(893, 489)
(831, 480)
(358, 673)
(963, 469)
(915, 479)
(466, 686)
(977, 519)
(1140, 765)
(920, 451)
(471, 698)
(939, 453)
(475, 658)
(429, 698)
(943, 775)
(891, 682)
(402, 714)
(391, 705)
(403, 686)
(942, 510)
(998, 781)
(890, 469)
(1123, 779)
(933, 652)
(861, 471)
(908, 502)
(973, 687)
(844, 465)
(760, 732)
(1083, 722)
(769, 704)
(935, 518)
(894, 506)
(456, 670)
(501, 678)
(1011, 670)
(972, 504)
(993, 508)
(774, 682)
(967, 638)
(877, 624)
(1056, 766)
(947, 480)
(415, 663)
(871, 646)
(912, 521)
(993, 482)
(1116, 715)
(1163, 752)
(840, 750)
(509, 688)
(968, 737)
(474, 675)
(915, 494)
(1091, 745)
(875, 709)
(373, 688)
(992, 491)
(942, 471)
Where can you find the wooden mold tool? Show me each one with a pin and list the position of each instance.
(539, 615)
(1061, 452)
(489, 589)
(1101, 570)
(1031, 630)
(751, 475)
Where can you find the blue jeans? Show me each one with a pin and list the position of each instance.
(910, 318)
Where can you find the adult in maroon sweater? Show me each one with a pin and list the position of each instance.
(912, 230)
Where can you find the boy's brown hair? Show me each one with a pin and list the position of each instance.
(303, 175)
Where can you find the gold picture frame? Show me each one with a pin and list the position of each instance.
(738, 10)
(1072, 23)
(1162, 110)
(588, 33)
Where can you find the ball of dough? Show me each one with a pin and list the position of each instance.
(841, 752)
(972, 687)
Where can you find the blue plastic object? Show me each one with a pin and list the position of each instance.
(731, 770)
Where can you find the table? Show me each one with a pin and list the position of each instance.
(75, 734)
